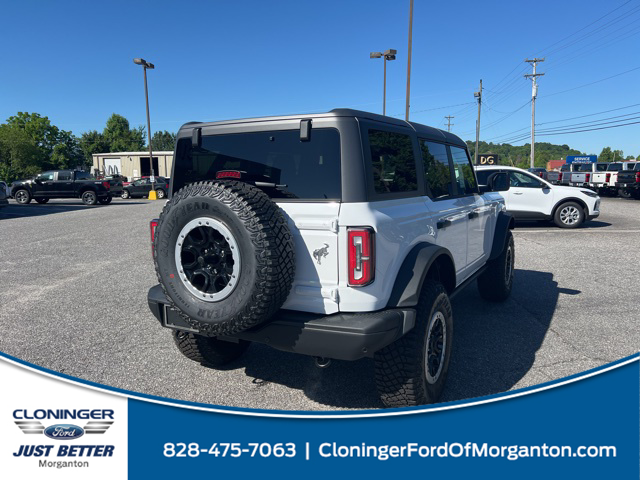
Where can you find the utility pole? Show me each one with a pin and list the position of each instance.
(534, 94)
(449, 117)
(406, 114)
(478, 95)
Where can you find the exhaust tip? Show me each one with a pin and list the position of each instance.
(322, 362)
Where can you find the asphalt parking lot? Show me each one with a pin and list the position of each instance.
(74, 279)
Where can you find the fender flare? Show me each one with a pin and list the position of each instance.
(504, 223)
(413, 272)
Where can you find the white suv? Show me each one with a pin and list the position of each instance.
(338, 235)
(532, 198)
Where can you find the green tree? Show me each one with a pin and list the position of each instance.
(163, 141)
(19, 155)
(120, 137)
(606, 155)
(93, 142)
(39, 129)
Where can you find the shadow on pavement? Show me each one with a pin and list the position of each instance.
(14, 210)
(494, 347)
(532, 224)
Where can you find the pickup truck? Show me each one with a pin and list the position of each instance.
(583, 176)
(561, 177)
(605, 182)
(62, 184)
(628, 183)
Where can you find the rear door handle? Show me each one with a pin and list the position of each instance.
(443, 223)
(518, 193)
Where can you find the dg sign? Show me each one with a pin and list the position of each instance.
(488, 159)
(582, 159)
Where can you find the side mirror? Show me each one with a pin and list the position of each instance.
(497, 182)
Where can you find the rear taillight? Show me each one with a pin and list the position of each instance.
(607, 178)
(106, 185)
(560, 177)
(153, 225)
(361, 256)
(637, 177)
(587, 177)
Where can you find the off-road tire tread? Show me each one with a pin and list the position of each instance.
(270, 236)
(399, 366)
(208, 351)
(491, 284)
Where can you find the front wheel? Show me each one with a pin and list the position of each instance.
(495, 283)
(106, 200)
(569, 215)
(89, 197)
(22, 196)
(413, 370)
(42, 200)
(208, 351)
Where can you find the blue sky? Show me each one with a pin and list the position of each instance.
(72, 61)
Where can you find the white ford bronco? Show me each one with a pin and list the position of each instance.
(339, 235)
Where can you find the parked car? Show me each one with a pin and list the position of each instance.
(605, 182)
(560, 177)
(4, 186)
(582, 176)
(628, 181)
(320, 234)
(3, 195)
(538, 171)
(62, 184)
(532, 198)
(141, 188)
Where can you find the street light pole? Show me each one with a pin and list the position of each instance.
(386, 55)
(145, 65)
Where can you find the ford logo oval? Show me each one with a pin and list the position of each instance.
(64, 431)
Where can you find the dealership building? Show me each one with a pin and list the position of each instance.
(133, 164)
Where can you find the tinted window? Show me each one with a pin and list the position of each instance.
(483, 175)
(83, 176)
(565, 168)
(392, 161)
(601, 167)
(436, 169)
(519, 179)
(586, 167)
(62, 176)
(306, 170)
(614, 167)
(45, 177)
(463, 171)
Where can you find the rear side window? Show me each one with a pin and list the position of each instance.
(436, 169)
(301, 170)
(83, 176)
(393, 162)
(64, 176)
(463, 171)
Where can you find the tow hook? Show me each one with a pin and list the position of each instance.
(322, 362)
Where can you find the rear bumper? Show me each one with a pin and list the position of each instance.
(342, 336)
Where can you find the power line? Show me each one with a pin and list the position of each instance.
(576, 131)
(592, 83)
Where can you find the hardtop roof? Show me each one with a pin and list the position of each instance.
(424, 131)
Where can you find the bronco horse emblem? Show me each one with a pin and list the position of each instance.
(320, 253)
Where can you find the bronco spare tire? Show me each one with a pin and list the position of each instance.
(224, 256)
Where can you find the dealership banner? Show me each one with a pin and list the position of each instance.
(56, 426)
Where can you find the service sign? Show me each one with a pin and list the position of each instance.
(488, 159)
(582, 159)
